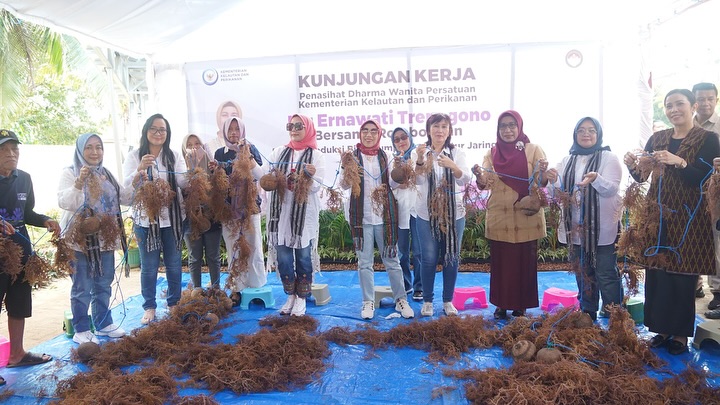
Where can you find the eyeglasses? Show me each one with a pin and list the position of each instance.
(154, 130)
(400, 138)
(294, 126)
(373, 131)
(509, 125)
(583, 131)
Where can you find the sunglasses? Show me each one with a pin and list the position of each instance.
(400, 138)
(294, 126)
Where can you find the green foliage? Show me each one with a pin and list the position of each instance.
(55, 111)
(335, 231)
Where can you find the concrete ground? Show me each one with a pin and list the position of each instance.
(50, 304)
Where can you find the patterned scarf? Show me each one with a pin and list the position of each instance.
(589, 204)
(154, 241)
(390, 211)
(297, 211)
(445, 185)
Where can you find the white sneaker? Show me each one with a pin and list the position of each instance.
(148, 317)
(112, 330)
(368, 310)
(403, 307)
(427, 309)
(299, 308)
(288, 306)
(450, 309)
(84, 337)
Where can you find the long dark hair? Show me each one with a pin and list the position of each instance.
(437, 118)
(144, 149)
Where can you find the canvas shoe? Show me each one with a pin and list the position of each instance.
(148, 317)
(449, 309)
(298, 308)
(84, 337)
(368, 310)
(113, 331)
(427, 309)
(288, 306)
(403, 307)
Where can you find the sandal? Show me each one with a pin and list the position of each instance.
(236, 298)
(676, 347)
(31, 359)
(659, 341)
(518, 312)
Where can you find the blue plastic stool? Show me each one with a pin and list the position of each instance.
(263, 294)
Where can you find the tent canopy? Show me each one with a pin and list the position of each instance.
(176, 31)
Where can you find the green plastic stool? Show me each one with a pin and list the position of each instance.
(636, 307)
(68, 326)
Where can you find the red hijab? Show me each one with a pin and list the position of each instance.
(373, 150)
(310, 134)
(509, 158)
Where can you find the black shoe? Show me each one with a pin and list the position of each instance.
(518, 312)
(714, 314)
(659, 341)
(699, 293)
(417, 296)
(500, 313)
(675, 347)
(715, 303)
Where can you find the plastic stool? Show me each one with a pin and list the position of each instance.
(321, 293)
(263, 294)
(4, 351)
(462, 294)
(636, 307)
(554, 295)
(381, 292)
(68, 326)
(706, 330)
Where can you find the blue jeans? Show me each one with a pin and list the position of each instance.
(408, 238)
(603, 280)
(150, 262)
(374, 234)
(431, 249)
(210, 243)
(295, 268)
(88, 290)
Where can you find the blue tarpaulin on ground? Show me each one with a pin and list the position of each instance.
(352, 377)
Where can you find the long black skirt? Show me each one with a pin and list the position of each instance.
(670, 302)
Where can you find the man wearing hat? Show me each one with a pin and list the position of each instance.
(17, 201)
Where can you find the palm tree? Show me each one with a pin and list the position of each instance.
(23, 47)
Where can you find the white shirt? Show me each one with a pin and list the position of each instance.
(372, 179)
(312, 211)
(458, 156)
(607, 185)
(406, 199)
(130, 169)
(70, 199)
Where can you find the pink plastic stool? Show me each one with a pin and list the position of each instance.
(557, 296)
(462, 294)
(4, 351)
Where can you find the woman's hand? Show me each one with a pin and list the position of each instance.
(630, 159)
(421, 149)
(480, 178)
(52, 226)
(139, 178)
(309, 170)
(668, 158)
(551, 175)
(145, 162)
(588, 178)
(6, 228)
(212, 165)
(82, 178)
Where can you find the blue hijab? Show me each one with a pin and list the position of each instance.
(576, 149)
(407, 153)
(78, 160)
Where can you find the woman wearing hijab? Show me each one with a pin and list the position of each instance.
(226, 110)
(165, 232)
(407, 233)
(369, 227)
(292, 223)
(209, 241)
(683, 241)
(508, 170)
(256, 276)
(591, 174)
(94, 262)
(439, 184)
